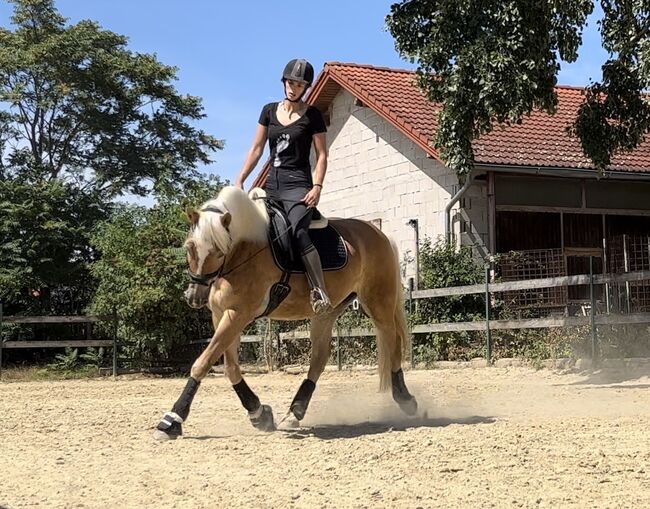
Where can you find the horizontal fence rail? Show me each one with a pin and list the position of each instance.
(63, 343)
(592, 320)
(55, 319)
(550, 282)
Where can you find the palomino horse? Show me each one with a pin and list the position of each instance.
(233, 270)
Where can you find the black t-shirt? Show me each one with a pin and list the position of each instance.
(290, 147)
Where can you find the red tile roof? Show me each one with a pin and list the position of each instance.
(540, 140)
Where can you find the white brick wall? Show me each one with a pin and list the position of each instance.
(375, 172)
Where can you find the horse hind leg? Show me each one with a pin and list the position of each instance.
(321, 343)
(390, 323)
(401, 394)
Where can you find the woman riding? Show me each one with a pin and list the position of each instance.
(292, 127)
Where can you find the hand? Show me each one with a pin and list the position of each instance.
(312, 198)
(239, 183)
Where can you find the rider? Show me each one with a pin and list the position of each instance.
(292, 126)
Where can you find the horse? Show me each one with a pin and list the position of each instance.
(232, 272)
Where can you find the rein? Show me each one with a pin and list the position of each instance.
(207, 279)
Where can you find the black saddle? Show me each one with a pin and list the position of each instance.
(327, 241)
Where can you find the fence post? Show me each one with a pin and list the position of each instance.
(409, 322)
(626, 261)
(338, 349)
(115, 328)
(592, 296)
(488, 333)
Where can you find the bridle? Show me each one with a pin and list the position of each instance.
(207, 279)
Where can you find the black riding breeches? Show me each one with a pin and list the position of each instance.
(299, 215)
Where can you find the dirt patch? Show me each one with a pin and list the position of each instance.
(497, 437)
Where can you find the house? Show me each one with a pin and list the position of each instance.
(532, 189)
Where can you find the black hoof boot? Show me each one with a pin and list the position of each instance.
(169, 428)
(264, 421)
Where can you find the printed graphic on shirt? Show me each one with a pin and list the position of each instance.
(282, 144)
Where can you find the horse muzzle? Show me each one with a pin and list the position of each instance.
(197, 295)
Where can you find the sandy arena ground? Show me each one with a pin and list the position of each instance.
(493, 437)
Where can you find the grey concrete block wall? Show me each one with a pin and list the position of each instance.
(376, 173)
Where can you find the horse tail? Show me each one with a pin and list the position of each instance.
(396, 345)
(400, 316)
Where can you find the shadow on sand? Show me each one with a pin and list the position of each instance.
(334, 431)
(614, 378)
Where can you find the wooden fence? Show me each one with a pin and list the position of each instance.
(488, 325)
(73, 343)
(487, 288)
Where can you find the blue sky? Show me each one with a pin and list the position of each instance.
(231, 53)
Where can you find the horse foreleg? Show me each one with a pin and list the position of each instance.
(261, 416)
(226, 333)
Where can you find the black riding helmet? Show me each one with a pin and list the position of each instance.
(299, 69)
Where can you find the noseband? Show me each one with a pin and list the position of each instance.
(206, 279)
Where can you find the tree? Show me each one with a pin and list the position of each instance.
(83, 120)
(490, 62)
(44, 248)
(83, 109)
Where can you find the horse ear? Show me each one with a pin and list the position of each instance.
(192, 215)
(225, 220)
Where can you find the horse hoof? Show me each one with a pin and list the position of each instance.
(264, 422)
(169, 428)
(171, 433)
(161, 436)
(288, 423)
(298, 409)
(409, 406)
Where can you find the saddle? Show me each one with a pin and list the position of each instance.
(326, 239)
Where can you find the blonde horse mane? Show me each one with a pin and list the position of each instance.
(247, 223)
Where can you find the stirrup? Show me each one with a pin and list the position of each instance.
(320, 303)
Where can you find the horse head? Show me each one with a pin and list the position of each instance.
(216, 228)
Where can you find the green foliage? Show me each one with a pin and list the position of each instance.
(623, 341)
(83, 121)
(616, 115)
(539, 344)
(492, 62)
(93, 357)
(141, 273)
(72, 361)
(44, 248)
(67, 361)
(443, 265)
(77, 105)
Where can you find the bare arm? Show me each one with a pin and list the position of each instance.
(320, 146)
(253, 156)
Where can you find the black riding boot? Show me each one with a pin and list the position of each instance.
(320, 302)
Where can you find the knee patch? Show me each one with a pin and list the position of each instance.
(303, 241)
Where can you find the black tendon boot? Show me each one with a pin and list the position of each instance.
(169, 426)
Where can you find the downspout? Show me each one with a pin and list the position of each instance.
(452, 202)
